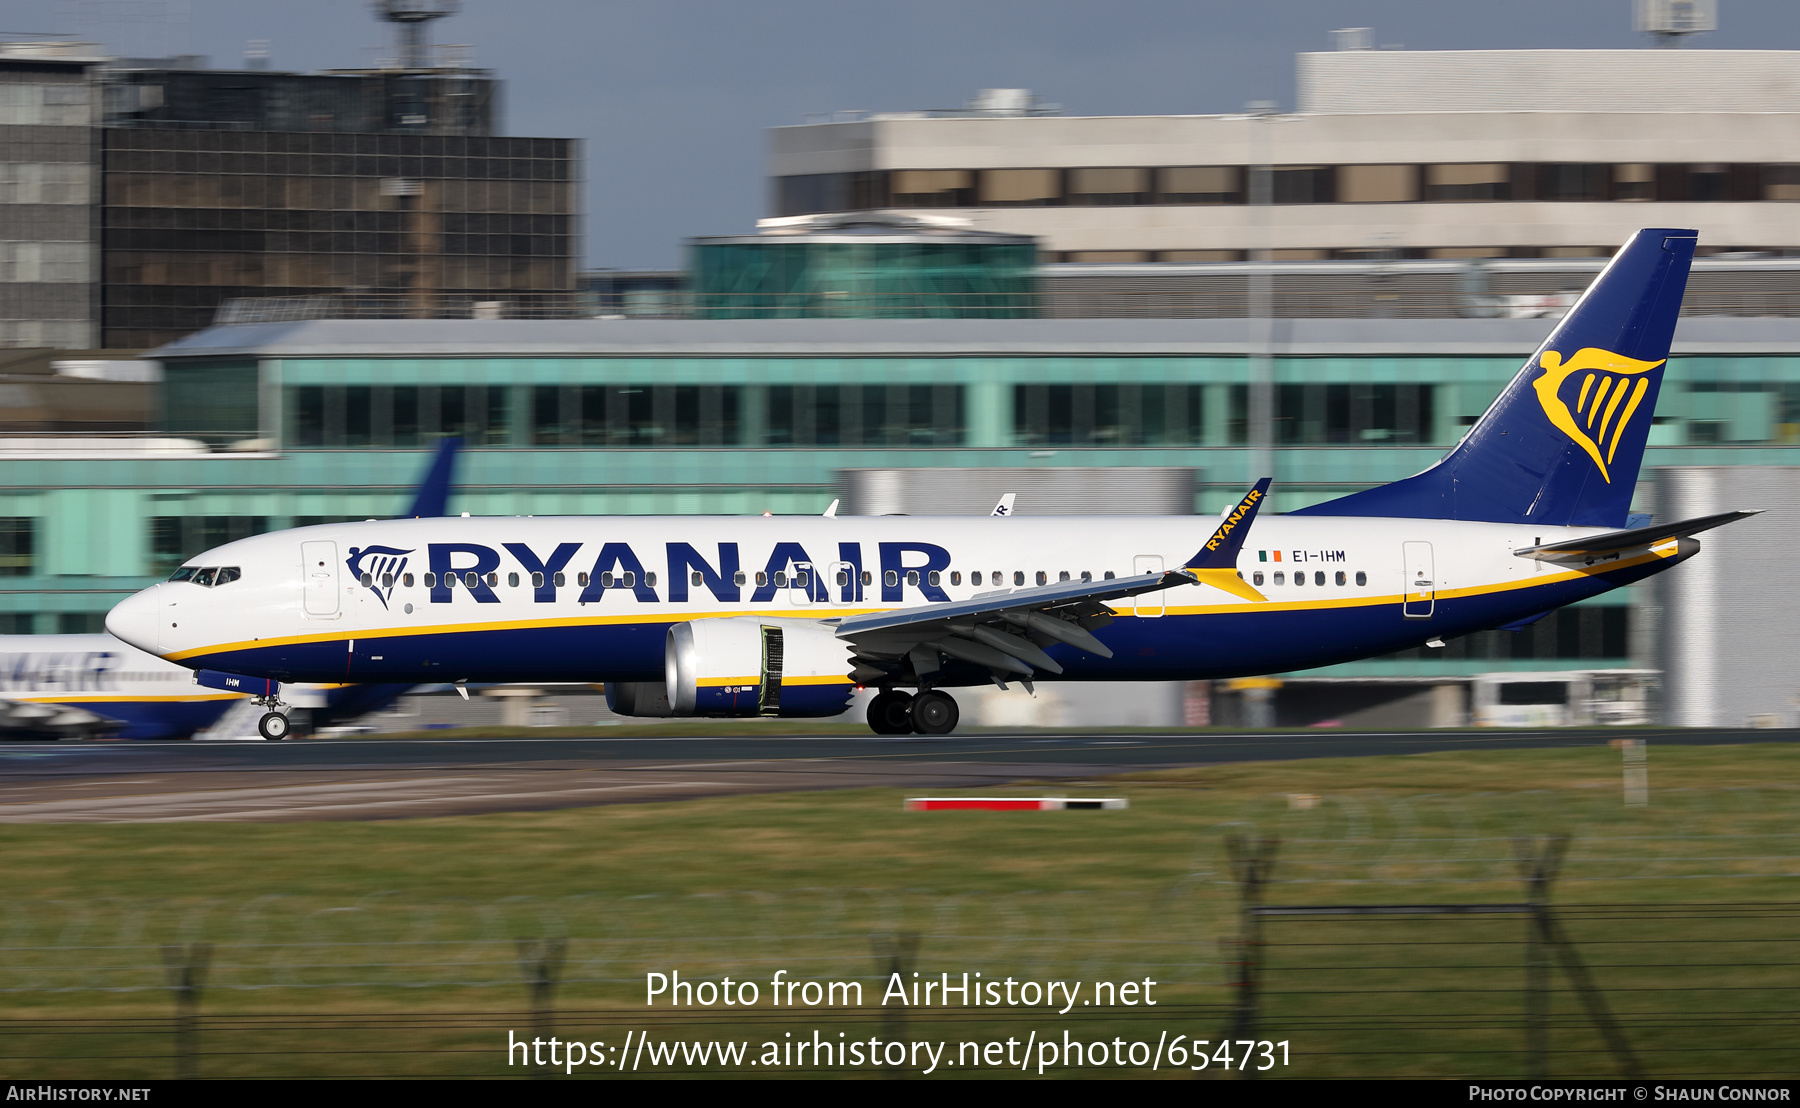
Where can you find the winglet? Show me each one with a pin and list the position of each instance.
(831, 512)
(1005, 505)
(1215, 563)
(433, 497)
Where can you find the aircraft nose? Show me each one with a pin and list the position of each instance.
(135, 619)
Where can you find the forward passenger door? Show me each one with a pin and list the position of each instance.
(319, 570)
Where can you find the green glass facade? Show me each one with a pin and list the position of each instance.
(991, 277)
(325, 437)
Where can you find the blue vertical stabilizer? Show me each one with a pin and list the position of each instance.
(433, 497)
(1563, 443)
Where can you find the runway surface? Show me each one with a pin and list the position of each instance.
(371, 778)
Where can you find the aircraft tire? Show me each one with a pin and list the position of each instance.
(273, 726)
(934, 713)
(890, 713)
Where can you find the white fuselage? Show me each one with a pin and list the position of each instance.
(351, 602)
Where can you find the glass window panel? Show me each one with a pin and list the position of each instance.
(1109, 185)
(686, 428)
(499, 411)
(1634, 181)
(306, 415)
(1200, 184)
(642, 428)
(546, 415)
(781, 415)
(453, 416)
(1473, 181)
(1021, 186)
(1377, 184)
(358, 408)
(591, 400)
(1781, 182)
(18, 546)
(827, 427)
(933, 188)
(406, 415)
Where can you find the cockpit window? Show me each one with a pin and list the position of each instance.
(207, 577)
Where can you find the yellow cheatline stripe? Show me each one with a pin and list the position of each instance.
(716, 682)
(1122, 608)
(165, 699)
(817, 679)
(1662, 550)
(666, 616)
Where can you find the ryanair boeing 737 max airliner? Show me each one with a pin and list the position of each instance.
(786, 616)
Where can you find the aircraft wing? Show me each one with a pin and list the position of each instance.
(1612, 543)
(1003, 631)
(1006, 631)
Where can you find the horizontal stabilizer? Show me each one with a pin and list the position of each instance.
(1616, 542)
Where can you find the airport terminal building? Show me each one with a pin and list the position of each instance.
(1160, 364)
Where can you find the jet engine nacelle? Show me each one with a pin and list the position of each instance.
(744, 666)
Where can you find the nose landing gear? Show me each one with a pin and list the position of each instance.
(893, 712)
(274, 725)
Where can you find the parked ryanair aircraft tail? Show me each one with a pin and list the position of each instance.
(1563, 443)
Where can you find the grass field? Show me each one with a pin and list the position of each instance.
(394, 947)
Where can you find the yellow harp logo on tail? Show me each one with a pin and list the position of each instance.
(1601, 396)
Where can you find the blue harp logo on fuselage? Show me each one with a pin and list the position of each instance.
(383, 564)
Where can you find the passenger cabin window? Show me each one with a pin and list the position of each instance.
(537, 580)
(512, 580)
(1280, 578)
(1319, 577)
(1256, 578)
(559, 580)
(365, 579)
(387, 580)
(890, 578)
(1361, 577)
(1299, 577)
(1018, 577)
(1340, 576)
(956, 577)
(431, 580)
(407, 580)
(975, 578)
(930, 578)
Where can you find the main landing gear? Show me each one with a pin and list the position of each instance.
(893, 712)
(273, 726)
